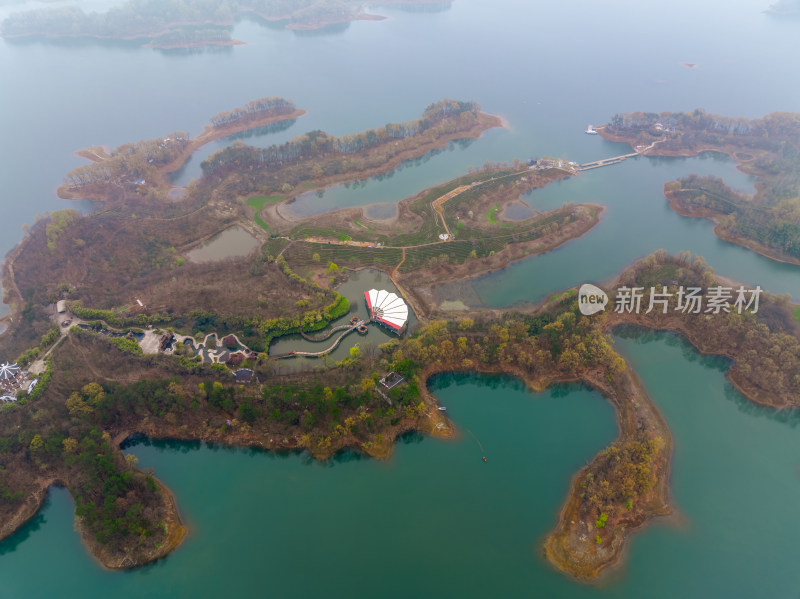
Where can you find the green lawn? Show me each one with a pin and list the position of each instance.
(258, 202)
(492, 214)
(363, 226)
(797, 313)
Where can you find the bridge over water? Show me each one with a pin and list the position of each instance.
(347, 329)
(617, 159)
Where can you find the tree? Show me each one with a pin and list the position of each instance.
(70, 445)
(77, 405)
(37, 443)
(618, 365)
(569, 360)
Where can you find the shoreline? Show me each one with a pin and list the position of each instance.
(29, 509)
(9, 284)
(569, 547)
(676, 327)
(505, 261)
(175, 535)
(146, 39)
(278, 210)
(749, 244)
(731, 152)
(210, 133)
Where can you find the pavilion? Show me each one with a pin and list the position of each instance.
(388, 309)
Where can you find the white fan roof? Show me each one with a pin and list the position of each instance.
(387, 307)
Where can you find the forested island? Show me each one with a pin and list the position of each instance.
(97, 386)
(325, 160)
(100, 393)
(142, 169)
(171, 24)
(768, 148)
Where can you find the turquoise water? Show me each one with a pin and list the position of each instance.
(435, 512)
(435, 520)
(637, 221)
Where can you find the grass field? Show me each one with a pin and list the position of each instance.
(258, 202)
(363, 226)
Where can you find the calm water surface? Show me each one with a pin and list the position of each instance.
(284, 526)
(353, 289)
(232, 242)
(435, 520)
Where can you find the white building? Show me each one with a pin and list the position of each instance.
(387, 309)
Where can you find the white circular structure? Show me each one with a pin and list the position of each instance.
(387, 308)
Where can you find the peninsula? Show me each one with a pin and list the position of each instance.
(101, 392)
(768, 149)
(109, 365)
(143, 168)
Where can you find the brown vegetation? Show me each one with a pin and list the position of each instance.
(97, 393)
(768, 221)
(321, 160)
(141, 169)
(763, 346)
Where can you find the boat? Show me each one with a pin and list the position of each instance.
(590, 130)
(442, 409)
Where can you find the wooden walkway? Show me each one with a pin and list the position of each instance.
(328, 334)
(308, 354)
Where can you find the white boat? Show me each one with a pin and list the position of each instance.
(590, 130)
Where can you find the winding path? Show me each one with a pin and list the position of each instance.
(308, 354)
(326, 335)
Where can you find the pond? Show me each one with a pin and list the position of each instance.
(353, 289)
(230, 243)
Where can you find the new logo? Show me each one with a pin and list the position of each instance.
(591, 299)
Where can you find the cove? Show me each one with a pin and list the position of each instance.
(458, 527)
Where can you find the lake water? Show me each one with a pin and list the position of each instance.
(282, 525)
(435, 520)
(230, 243)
